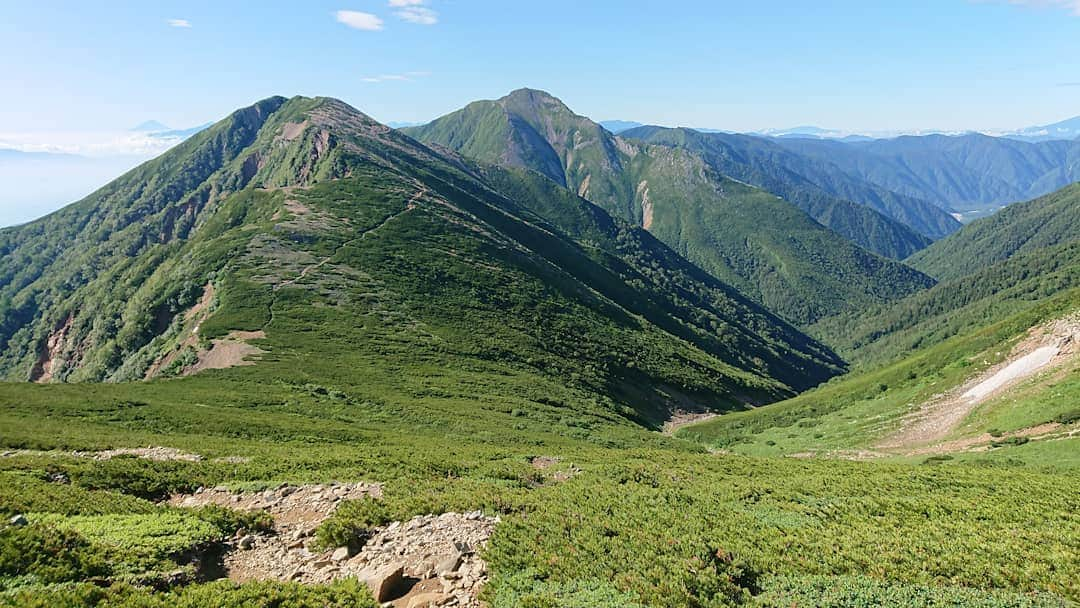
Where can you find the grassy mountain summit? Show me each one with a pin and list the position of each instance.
(1020, 228)
(749, 238)
(304, 213)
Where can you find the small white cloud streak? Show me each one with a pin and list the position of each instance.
(96, 144)
(179, 23)
(401, 3)
(359, 21)
(407, 76)
(418, 14)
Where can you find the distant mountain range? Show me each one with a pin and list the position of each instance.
(1065, 130)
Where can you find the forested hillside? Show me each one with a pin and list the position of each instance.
(1021, 228)
(749, 238)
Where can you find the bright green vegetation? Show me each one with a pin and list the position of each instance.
(343, 594)
(654, 519)
(855, 412)
(434, 324)
(411, 255)
(967, 172)
(760, 244)
(874, 218)
(951, 308)
(1018, 229)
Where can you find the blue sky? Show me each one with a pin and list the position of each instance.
(948, 64)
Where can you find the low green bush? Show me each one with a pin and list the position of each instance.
(865, 592)
(48, 555)
(221, 594)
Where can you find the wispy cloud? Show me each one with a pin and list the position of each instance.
(1072, 6)
(407, 76)
(414, 11)
(359, 21)
(179, 23)
(1068, 84)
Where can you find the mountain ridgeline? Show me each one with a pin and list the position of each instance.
(877, 219)
(302, 230)
(759, 243)
(967, 172)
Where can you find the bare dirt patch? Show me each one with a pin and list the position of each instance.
(681, 418)
(230, 351)
(646, 205)
(44, 369)
(1046, 347)
(293, 130)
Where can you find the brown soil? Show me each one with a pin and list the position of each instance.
(230, 351)
(44, 371)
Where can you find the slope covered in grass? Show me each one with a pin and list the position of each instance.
(749, 238)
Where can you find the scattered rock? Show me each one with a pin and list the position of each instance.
(426, 600)
(432, 555)
(155, 453)
(383, 581)
(18, 521)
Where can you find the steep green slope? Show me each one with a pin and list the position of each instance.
(879, 220)
(954, 307)
(1022, 228)
(760, 244)
(963, 173)
(321, 218)
(861, 415)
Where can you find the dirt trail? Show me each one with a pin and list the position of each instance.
(1046, 347)
(409, 206)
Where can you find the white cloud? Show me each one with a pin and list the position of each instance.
(97, 144)
(179, 23)
(407, 76)
(414, 11)
(359, 21)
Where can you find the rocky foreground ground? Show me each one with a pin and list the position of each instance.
(430, 560)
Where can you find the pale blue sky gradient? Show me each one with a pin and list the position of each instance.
(854, 65)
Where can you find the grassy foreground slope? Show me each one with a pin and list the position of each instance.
(751, 239)
(648, 520)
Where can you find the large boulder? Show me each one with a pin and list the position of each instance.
(384, 581)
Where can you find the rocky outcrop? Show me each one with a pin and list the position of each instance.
(429, 560)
